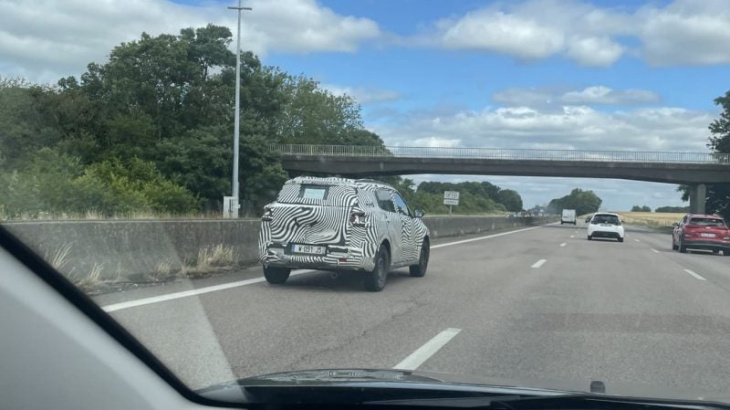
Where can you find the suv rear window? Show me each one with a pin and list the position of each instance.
(317, 194)
(707, 222)
(314, 192)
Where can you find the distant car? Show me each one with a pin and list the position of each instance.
(605, 225)
(568, 217)
(342, 225)
(708, 232)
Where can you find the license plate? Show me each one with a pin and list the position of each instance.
(707, 235)
(308, 249)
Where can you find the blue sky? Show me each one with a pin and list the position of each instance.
(522, 74)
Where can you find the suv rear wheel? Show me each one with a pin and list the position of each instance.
(375, 280)
(276, 276)
(420, 269)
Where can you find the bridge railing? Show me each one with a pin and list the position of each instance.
(500, 153)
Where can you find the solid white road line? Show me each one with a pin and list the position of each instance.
(539, 263)
(654, 250)
(443, 245)
(423, 353)
(563, 244)
(694, 274)
(192, 292)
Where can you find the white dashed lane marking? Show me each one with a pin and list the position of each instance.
(539, 263)
(423, 353)
(698, 277)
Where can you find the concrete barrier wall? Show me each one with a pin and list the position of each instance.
(135, 250)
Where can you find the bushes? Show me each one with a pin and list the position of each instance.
(53, 183)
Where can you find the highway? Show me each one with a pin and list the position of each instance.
(540, 304)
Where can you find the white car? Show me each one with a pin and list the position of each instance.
(605, 225)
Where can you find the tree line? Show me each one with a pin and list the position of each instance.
(151, 130)
(474, 197)
(584, 202)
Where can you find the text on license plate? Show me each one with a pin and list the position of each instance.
(707, 235)
(310, 249)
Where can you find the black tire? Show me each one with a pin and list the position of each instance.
(715, 251)
(375, 280)
(590, 238)
(620, 239)
(726, 253)
(276, 276)
(419, 270)
(680, 245)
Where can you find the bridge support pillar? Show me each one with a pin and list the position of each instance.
(697, 198)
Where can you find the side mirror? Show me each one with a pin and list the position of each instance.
(675, 224)
(418, 213)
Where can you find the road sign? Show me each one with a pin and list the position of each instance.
(451, 198)
(451, 195)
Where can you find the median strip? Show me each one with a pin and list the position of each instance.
(539, 263)
(694, 274)
(423, 353)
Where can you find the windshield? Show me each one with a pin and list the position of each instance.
(492, 190)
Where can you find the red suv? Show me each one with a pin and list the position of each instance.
(707, 232)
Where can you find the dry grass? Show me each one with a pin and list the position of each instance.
(164, 269)
(92, 280)
(209, 259)
(651, 219)
(58, 258)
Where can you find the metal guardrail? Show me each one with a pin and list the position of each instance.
(499, 153)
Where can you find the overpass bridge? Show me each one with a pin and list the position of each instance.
(689, 168)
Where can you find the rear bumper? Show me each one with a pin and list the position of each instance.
(707, 245)
(340, 259)
(606, 234)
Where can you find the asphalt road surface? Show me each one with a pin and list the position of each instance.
(540, 304)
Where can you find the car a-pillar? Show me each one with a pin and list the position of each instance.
(697, 198)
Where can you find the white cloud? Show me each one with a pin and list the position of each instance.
(557, 97)
(594, 51)
(497, 31)
(572, 127)
(46, 39)
(364, 95)
(680, 32)
(687, 32)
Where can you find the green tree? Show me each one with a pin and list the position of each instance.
(583, 202)
(511, 200)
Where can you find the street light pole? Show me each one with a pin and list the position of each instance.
(237, 118)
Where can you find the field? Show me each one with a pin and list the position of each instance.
(650, 218)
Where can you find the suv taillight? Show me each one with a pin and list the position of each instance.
(268, 214)
(357, 218)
